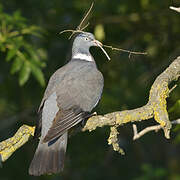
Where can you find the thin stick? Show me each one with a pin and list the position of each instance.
(124, 50)
(172, 88)
(66, 30)
(73, 31)
(104, 52)
(175, 8)
(144, 131)
(79, 27)
(84, 18)
(85, 26)
(155, 128)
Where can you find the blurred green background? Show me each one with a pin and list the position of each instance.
(31, 50)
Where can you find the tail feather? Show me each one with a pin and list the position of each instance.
(49, 157)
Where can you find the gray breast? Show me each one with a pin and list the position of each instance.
(81, 85)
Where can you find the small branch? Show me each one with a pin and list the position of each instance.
(84, 18)
(175, 8)
(79, 28)
(155, 128)
(119, 118)
(124, 50)
(172, 88)
(144, 131)
(85, 26)
(9, 146)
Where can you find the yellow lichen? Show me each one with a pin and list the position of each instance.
(118, 119)
(9, 146)
(160, 106)
(156, 117)
(113, 140)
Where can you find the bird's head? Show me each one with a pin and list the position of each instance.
(85, 40)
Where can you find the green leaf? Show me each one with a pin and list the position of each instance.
(176, 107)
(33, 30)
(24, 73)
(38, 74)
(16, 66)
(42, 54)
(18, 17)
(38, 56)
(11, 53)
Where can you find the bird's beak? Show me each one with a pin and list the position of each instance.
(99, 44)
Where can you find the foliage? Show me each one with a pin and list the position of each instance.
(15, 35)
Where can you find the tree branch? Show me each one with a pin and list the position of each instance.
(156, 107)
(9, 146)
(155, 128)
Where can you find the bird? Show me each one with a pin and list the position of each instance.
(71, 94)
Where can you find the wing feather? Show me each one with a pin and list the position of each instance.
(64, 120)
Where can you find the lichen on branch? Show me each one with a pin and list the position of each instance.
(8, 146)
(156, 108)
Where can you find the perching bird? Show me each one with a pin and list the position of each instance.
(72, 92)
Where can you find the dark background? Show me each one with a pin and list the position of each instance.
(141, 25)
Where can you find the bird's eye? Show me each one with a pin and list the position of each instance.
(86, 39)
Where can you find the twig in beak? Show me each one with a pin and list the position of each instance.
(99, 44)
(104, 52)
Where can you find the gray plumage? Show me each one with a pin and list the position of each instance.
(72, 92)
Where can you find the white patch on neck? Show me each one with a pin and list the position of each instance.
(84, 57)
